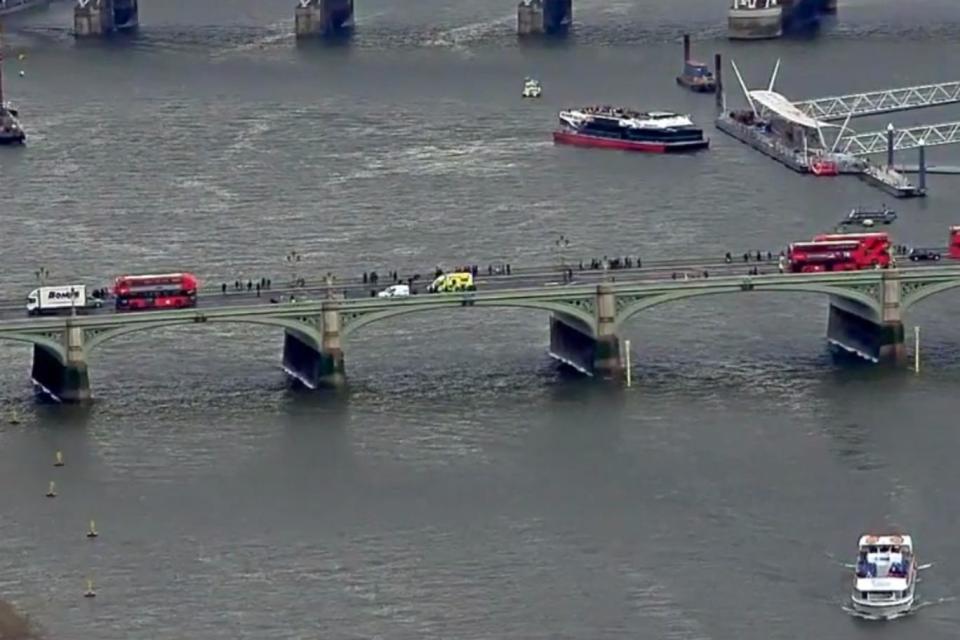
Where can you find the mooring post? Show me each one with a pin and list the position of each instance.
(922, 165)
(916, 349)
(890, 131)
(718, 74)
(626, 349)
(686, 47)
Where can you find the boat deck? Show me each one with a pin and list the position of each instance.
(889, 180)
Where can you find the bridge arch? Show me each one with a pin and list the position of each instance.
(633, 308)
(351, 325)
(313, 332)
(911, 298)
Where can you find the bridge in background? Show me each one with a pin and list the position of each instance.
(865, 318)
(98, 18)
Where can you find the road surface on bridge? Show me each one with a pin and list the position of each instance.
(520, 278)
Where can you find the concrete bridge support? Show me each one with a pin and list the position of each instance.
(596, 354)
(857, 329)
(64, 381)
(322, 17)
(313, 365)
(98, 18)
(537, 17)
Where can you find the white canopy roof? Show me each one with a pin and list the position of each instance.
(885, 540)
(785, 109)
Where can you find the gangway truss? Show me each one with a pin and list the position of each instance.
(864, 144)
(876, 102)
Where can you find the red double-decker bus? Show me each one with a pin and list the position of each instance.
(811, 257)
(954, 248)
(159, 291)
(841, 252)
(876, 246)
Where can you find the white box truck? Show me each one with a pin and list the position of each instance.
(58, 300)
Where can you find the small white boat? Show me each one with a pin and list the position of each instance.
(531, 88)
(886, 576)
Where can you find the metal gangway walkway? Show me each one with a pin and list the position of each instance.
(864, 144)
(877, 102)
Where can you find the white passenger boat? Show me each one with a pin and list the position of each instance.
(531, 88)
(886, 576)
(755, 19)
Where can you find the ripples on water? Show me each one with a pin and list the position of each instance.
(462, 487)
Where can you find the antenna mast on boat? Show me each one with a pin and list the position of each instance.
(746, 92)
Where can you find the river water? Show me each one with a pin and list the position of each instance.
(461, 487)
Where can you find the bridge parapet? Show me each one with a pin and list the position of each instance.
(866, 317)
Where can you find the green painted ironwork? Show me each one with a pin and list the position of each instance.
(575, 300)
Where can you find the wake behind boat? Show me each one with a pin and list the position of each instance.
(886, 576)
(619, 128)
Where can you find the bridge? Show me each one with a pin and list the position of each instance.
(872, 103)
(874, 142)
(99, 18)
(586, 315)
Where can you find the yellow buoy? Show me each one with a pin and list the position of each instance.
(92, 532)
(90, 593)
(52, 491)
(58, 461)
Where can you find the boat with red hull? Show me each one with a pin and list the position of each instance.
(628, 130)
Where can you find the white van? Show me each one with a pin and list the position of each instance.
(395, 291)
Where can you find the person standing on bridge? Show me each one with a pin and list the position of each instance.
(223, 288)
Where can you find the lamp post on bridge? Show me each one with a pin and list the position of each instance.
(561, 245)
(293, 259)
(41, 275)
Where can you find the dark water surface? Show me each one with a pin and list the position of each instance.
(462, 488)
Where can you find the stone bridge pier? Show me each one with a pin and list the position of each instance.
(98, 18)
(595, 353)
(63, 375)
(537, 17)
(857, 329)
(322, 17)
(316, 365)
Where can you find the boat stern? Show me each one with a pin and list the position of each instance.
(883, 597)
